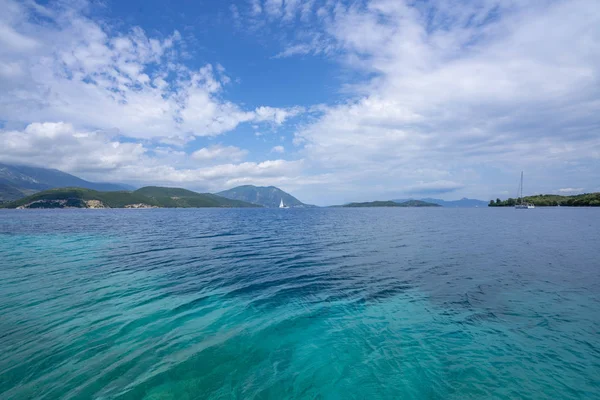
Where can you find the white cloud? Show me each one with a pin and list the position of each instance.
(294, 50)
(235, 14)
(275, 115)
(291, 7)
(79, 71)
(278, 149)
(13, 40)
(570, 190)
(502, 87)
(61, 146)
(273, 8)
(10, 70)
(217, 152)
(100, 156)
(439, 97)
(256, 7)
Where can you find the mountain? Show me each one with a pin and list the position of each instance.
(176, 197)
(462, 203)
(266, 196)
(15, 179)
(390, 203)
(147, 197)
(10, 192)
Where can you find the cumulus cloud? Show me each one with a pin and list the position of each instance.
(459, 93)
(102, 156)
(278, 149)
(77, 70)
(63, 147)
(275, 115)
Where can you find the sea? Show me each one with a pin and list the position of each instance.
(325, 303)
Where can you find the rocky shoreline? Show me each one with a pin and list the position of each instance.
(140, 205)
(76, 203)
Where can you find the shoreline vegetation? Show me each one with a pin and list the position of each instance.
(146, 197)
(552, 200)
(166, 197)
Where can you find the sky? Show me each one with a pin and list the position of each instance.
(331, 100)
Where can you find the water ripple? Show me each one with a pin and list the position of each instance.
(332, 303)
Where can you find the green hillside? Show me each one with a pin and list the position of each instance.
(76, 197)
(409, 203)
(177, 197)
(552, 200)
(151, 196)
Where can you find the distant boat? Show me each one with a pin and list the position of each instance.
(281, 205)
(521, 205)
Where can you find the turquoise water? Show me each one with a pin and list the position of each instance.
(303, 304)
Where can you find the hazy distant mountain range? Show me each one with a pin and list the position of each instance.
(17, 181)
(266, 196)
(462, 203)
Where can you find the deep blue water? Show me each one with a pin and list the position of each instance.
(303, 304)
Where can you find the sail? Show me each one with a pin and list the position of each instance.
(281, 204)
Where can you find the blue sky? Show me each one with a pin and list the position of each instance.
(331, 100)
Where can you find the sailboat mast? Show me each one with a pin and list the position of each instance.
(521, 196)
(520, 204)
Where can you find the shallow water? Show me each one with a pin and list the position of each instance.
(320, 303)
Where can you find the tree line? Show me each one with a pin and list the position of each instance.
(551, 200)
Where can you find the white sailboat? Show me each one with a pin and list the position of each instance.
(282, 205)
(521, 205)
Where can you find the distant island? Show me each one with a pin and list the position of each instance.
(390, 203)
(552, 200)
(146, 197)
(462, 203)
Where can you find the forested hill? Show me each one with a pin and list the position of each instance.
(146, 197)
(552, 200)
